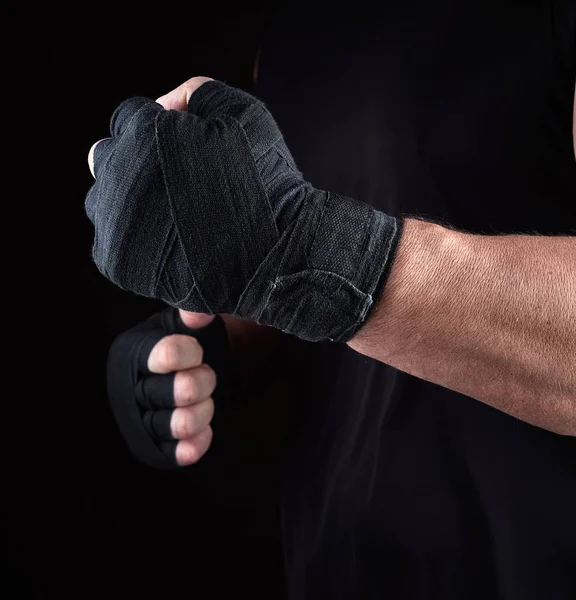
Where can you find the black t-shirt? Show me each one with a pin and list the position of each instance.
(461, 112)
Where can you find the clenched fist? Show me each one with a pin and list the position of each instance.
(198, 202)
(161, 378)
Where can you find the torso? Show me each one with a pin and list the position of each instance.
(462, 113)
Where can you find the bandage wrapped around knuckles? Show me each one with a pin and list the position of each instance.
(207, 211)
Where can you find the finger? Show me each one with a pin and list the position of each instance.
(178, 98)
(182, 388)
(193, 385)
(180, 423)
(157, 424)
(155, 391)
(219, 99)
(175, 353)
(187, 421)
(191, 451)
(195, 320)
(96, 153)
(125, 111)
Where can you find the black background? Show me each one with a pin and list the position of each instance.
(96, 522)
(91, 521)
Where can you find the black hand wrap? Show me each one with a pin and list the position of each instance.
(143, 402)
(207, 211)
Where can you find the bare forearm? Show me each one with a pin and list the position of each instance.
(492, 317)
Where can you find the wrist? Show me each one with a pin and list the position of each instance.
(319, 280)
(410, 295)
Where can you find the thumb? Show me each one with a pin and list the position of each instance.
(195, 320)
(178, 98)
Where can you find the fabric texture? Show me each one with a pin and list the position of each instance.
(394, 487)
(207, 211)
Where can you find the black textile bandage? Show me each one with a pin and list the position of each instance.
(207, 211)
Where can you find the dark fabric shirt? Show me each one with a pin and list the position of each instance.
(396, 488)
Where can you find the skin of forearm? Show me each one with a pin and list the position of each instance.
(491, 317)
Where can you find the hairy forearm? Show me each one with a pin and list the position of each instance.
(491, 317)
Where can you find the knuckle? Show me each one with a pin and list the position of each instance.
(212, 378)
(210, 409)
(192, 455)
(209, 436)
(189, 454)
(188, 387)
(197, 348)
(169, 352)
(173, 351)
(183, 424)
(203, 442)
